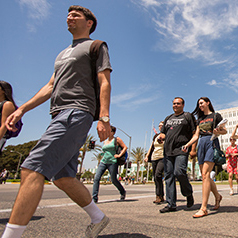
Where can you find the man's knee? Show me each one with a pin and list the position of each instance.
(180, 174)
(30, 174)
(63, 183)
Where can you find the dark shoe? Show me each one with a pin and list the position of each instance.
(190, 201)
(123, 196)
(158, 200)
(95, 200)
(167, 209)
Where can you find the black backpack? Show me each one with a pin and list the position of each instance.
(121, 160)
(94, 53)
(19, 124)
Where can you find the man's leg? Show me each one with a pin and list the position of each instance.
(96, 183)
(171, 195)
(80, 195)
(180, 171)
(28, 198)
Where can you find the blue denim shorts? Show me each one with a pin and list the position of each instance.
(205, 149)
(56, 154)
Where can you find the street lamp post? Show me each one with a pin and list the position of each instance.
(129, 154)
(19, 162)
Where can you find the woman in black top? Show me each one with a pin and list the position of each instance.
(207, 121)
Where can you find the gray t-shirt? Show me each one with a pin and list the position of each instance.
(73, 85)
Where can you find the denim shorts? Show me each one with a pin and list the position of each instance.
(205, 149)
(56, 154)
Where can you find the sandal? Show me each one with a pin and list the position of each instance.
(217, 205)
(204, 213)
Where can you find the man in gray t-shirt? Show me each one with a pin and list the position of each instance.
(55, 156)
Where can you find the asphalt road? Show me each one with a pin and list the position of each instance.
(136, 217)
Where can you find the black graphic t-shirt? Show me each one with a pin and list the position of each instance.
(206, 123)
(178, 130)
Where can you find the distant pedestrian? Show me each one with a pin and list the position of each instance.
(207, 121)
(3, 176)
(231, 155)
(155, 155)
(177, 130)
(109, 161)
(73, 105)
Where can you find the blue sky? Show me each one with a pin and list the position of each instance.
(158, 50)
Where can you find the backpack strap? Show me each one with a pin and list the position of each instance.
(115, 143)
(94, 53)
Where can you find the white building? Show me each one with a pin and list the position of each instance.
(231, 114)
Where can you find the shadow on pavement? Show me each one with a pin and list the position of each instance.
(34, 218)
(125, 235)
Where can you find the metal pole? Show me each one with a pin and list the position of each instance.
(129, 154)
(143, 157)
(151, 134)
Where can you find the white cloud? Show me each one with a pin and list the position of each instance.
(193, 27)
(135, 97)
(212, 83)
(37, 10)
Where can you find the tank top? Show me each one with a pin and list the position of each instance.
(109, 152)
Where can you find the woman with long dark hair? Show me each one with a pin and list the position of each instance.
(7, 107)
(207, 120)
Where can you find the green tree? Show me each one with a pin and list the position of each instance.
(98, 157)
(11, 154)
(88, 175)
(84, 149)
(138, 155)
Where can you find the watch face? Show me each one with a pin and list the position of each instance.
(105, 119)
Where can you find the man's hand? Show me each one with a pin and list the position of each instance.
(13, 119)
(104, 130)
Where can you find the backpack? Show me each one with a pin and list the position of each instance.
(121, 160)
(94, 53)
(18, 125)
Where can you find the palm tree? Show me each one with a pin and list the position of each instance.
(138, 155)
(98, 157)
(84, 149)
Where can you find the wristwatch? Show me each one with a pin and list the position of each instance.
(104, 119)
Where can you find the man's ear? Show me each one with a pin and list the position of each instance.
(89, 24)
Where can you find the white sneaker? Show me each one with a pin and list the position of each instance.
(94, 229)
(231, 191)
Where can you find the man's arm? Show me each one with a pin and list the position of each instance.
(104, 128)
(42, 96)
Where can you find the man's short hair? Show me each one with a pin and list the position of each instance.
(87, 13)
(180, 98)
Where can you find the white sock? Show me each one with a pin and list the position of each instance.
(13, 231)
(94, 212)
(212, 175)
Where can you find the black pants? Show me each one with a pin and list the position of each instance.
(158, 168)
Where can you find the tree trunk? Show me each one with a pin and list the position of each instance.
(137, 172)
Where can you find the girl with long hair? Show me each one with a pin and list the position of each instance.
(207, 121)
(7, 107)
